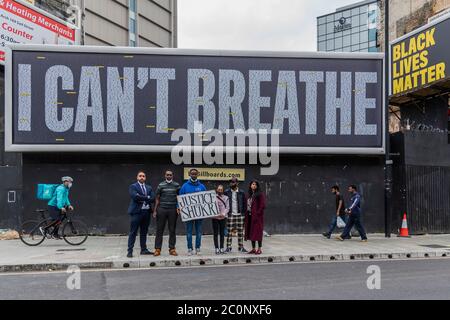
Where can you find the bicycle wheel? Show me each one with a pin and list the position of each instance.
(75, 232)
(30, 234)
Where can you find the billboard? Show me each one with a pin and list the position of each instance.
(419, 59)
(63, 98)
(24, 23)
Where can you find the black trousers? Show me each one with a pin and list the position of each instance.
(219, 232)
(166, 216)
(141, 222)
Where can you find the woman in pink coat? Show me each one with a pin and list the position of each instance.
(254, 218)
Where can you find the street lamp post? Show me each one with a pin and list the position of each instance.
(388, 161)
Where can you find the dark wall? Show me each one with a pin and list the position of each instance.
(10, 173)
(299, 198)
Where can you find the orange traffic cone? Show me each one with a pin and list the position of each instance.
(404, 229)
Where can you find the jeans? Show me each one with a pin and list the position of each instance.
(333, 223)
(166, 216)
(198, 233)
(354, 220)
(141, 222)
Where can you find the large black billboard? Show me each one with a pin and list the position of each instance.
(122, 99)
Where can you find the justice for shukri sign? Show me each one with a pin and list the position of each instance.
(200, 205)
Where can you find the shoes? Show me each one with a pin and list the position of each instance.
(130, 255)
(198, 252)
(253, 251)
(258, 252)
(222, 251)
(228, 250)
(42, 230)
(326, 235)
(146, 253)
(217, 251)
(242, 250)
(364, 240)
(56, 237)
(173, 252)
(157, 252)
(190, 252)
(340, 238)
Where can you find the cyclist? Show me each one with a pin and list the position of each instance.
(58, 206)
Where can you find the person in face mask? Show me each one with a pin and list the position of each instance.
(59, 204)
(166, 212)
(193, 185)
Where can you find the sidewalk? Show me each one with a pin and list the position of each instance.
(110, 252)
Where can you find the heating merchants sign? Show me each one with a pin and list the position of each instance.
(420, 58)
(102, 99)
(23, 23)
(200, 205)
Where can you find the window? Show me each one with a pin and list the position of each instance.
(322, 46)
(364, 36)
(363, 19)
(373, 35)
(322, 20)
(373, 49)
(330, 27)
(346, 41)
(132, 23)
(355, 38)
(321, 30)
(330, 45)
(355, 11)
(338, 43)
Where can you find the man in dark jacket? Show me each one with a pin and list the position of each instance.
(142, 198)
(355, 216)
(236, 217)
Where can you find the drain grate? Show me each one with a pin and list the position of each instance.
(68, 250)
(435, 246)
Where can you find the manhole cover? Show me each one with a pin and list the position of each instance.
(435, 246)
(67, 250)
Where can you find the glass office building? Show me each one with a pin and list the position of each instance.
(353, 28)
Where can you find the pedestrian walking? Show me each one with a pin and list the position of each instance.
(142, 199)
(355, 216)
(193, 185)
(236, 217)
(340, 212)
(165, 212)
(254, 219)
(219, 223)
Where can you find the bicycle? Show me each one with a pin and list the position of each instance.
(34, 232)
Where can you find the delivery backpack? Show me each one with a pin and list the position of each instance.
(46, 191)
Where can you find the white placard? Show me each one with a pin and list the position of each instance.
(199, 205)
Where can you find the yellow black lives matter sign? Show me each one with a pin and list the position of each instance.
(420, 58)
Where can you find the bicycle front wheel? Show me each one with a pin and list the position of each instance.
(30, 232)
(75, 232)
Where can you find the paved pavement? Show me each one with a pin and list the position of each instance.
(399, 279)
(110, 252)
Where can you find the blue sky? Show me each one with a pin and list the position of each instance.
(252, 24)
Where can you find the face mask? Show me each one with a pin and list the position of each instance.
(69, 185)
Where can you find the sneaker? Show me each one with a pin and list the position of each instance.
(326, 235)
(242, 250)
(364, 240)
(41, 229)
(130, 255)
(339, 238)
(222, 251)
(258, 252)
(252, 252)
(190, 252)
(217, 251)
(228, 250)
(197, 251)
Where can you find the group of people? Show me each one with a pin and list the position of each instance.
(351, 215)
(241, 214)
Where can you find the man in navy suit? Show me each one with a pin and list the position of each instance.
(142, 198)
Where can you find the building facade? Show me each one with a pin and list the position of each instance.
(353, 28)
